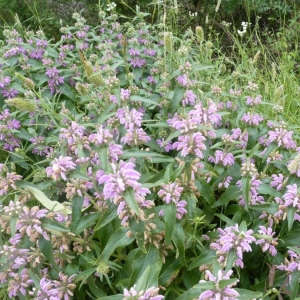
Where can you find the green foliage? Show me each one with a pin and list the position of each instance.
(140, 156)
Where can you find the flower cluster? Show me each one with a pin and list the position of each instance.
(172, 193)
(233, 239)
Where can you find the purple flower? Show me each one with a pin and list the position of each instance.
(277, 182)
(46, 291)
(171, 193)
(204, 115)
(37, 54)
(134, 52)
(252, 119)
(9, 93)
(292, 196)
(191, 144)
(225, 182)
(137, 62)
(150, 294)
(231, 238)
(151, 80)
(290, 265)
(189, 98)
(8, 182)
(268, 242)
(39, 147)
(102, 137)
(167, 146)
(125, 94)
(52, 72)
(19, 283)
(123, 177)
(60, 167)
(135, 136)
(222, 158)
(115, 151)
(282, 137)
(226, 293)
(183, 80)
(253, 101)
(30, 224)
(5, 82)
(41, 43)
(130, 119)
(150, 52)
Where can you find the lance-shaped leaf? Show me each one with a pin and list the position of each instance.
(131, 201)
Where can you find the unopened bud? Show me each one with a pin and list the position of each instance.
(21, 104)
(199, 34)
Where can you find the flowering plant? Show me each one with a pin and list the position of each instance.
(130, 171)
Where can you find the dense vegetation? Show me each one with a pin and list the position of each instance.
(142, 158)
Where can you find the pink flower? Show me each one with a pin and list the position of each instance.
(60, 167)
(219, 293)
(267, 243)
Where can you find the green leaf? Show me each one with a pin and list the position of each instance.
(231, 257)
(201, 68)
(227, 220)
(265, 189)
(168, 172)
(192, 293)
(35, 278)
(131, 201)
(156, 125)
(173, 135)
(290, 215)
(77, 203)
(225, 282)
(84, 275)
(106, 217)
(54, 226)
(47, 250)
(176, 174)
(170, 220)
(102, 152)
(246, 190)
(46, 202)
(170, 271)
(71, 269)
(178, 95)
(94, 288)
(142, 261)
(291, 238)
(154, 157)
(114, 297)
(86, 221)
(179, 239)
(270, 208)
(149, 277)
(118, 239)
(12, 224)
(202, 259)
(270, 149)
(206, 190)
(231, 193)
(145, 100)
(247, 295)
(294, 284)
(66, 90)
(252, 136)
